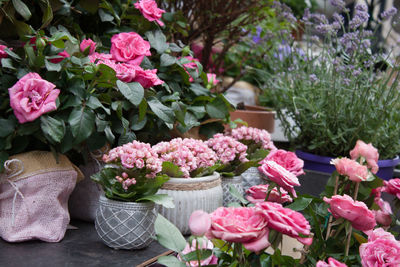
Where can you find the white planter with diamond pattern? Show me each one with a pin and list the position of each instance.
(236, 182)
(125, 225)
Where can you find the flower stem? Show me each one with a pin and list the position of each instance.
(351, 227)
(328, 231)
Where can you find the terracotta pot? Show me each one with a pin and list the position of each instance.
(256, 116)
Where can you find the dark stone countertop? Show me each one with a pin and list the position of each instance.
(81, 247)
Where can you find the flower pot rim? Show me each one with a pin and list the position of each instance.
(264, 112)
(103, 200)
(190, 180)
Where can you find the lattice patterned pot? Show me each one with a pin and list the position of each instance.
(252, 177)
(236, 182)
(125, 225)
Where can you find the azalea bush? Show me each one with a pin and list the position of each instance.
(92, 74)
(349, 225)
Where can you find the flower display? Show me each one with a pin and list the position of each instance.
(150, 10)
(199, 222)
(360, 217)
(392, 187)
(227, 148)
(258, 136)
(205, 244)
(258, 193)
(382, 249)
(88, 43)
(368, 152)
(243, 225)
(129, 47)
(354, 170)
(288, 160)
(279, 175)
(331, 263)
(286, 221)
(32, 96)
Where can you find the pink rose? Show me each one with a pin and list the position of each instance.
(125, 72)
(258, 193)
(383, 215)
(243, 225)
(382, 249)
(150, 10)
(279, 175)
(129, 47)
(288, 160)
(32, 96)
(331, 263)
(99, 57)
(199, 222)
(286, 221)
(62, 55)
(351, 168)
(392, 187)
(212, 78)
(206, 244)
(147, 78)
(368, 152)
(360, 217)
(3, 53)
(88, 43)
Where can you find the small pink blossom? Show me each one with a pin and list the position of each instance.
(212, 79)
(227, 148)
(258, 193)
(3, 53)
(368, 152)
(392, 187)
(288, 160)
(192, 64)
(255, 135)
(62, 55)
(199, 222)
(88, 43)
(129, 47)
(150, 10)
(331, 263)
(205, 244)
(351, 168)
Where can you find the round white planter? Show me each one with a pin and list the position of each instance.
(190, 194)
(236, 182)
(125, 225)
(252, 177)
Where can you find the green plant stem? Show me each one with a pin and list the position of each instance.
(198, 252)
(328, 231)
(351, 227)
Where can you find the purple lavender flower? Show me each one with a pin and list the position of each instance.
(339, 4)
(346, 81)
(349, 41)
(356, 72)
(257, 37)
(361, 16)
(387, 14)
(313, 78)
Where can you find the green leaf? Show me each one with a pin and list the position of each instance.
(82, 121)
(167, 60)
(22, 9)
(170, 261)
(259, 155)
(126, 138)
(163, 112)
(7, 63)
(53, 129)
(109, 135)
(171, 169)
(95, 103)
(157, 40)
(217, 108)
(52, 66)
(193, 256)
(47, 12)
(168, 235)
(12, 54)
(104, 16)
(234, 192)
(198, 90)
(134, 92)
(242, 167)
(7, 127)
(142, 109)
(161, 199)
(136, 124)
(300, 204)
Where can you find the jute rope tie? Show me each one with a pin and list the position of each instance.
(7, 177)
(191, 186)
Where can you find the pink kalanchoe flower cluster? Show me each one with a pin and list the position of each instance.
(227, 148)
(258, 193)
(258, 136)
(286, 159)
(135, 155)
(125, 180)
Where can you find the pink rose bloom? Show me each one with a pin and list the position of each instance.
(199, 222)
(392, 187)
(147, 78)
(360, 217)
(368, 152)
(88, 43)
(331, 263)
(129, 47)
(382, 249)
(191, 65)
(3, 53)
(99, 57)
(32, 96)
(125, 72)
(279, 175)
(258, 193)
(286, 221)
(212, 78)
(383, 215)
(206, 244)
(150, 10)
(63, 54)
(288, 160)
(242, 225)
(351, 168)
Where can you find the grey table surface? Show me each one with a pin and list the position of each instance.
(80, 247)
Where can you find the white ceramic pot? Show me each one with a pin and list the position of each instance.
(125, 225)
(190, 194)
(236, 182)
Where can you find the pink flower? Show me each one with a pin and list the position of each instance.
(279, 175)
(288, 160)
(32, 96)
(199, 222)
(191, 65)
(331, 263)
(212, 78)
(286, 221)
(351, 168)
(147, 78)
(150, 10)
(383, 215)
(227, 148)
(382, 249)
(253, 135)
(258, 193)
(88, 43)
(63, 54)
(3, 53)
(242, 225)
(99, 57)
(129, 47)
(368, 152)
(360, 217)
(205, 244)
(392, 187)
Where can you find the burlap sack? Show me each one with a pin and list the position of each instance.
(34, 192)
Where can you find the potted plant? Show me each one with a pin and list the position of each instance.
(130, 180)
(193, 182)
(335, 90)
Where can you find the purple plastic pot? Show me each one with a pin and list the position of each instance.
(322, 164)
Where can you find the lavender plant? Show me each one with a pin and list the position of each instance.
(333, 86)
